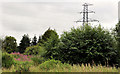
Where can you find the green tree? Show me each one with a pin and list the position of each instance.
(1, 42)
(48, 34)
(117, 37)
(24, 43)
(34, 41)
(87, 44)
(40, 39)
(51, 45)
(9, 44)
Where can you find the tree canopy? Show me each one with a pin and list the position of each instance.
(9, 44)
(85, 45)
(24, 43)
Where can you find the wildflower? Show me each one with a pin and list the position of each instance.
(18, 59)
(15, 59)
(18, 53)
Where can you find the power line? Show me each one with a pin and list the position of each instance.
(85, 13)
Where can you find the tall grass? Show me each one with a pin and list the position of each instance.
(75, 68)
(0, 70)
(66, 68)
(56, 66)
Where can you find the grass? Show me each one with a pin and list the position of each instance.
(0, 70)
(119, 70)
(65, 68)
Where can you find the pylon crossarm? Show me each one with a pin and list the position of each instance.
(78, 21)
(86, 4)
(93, 20)
(91, 12)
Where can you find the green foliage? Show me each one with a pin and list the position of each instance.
(37, 60)
(1, 41)
(34, 41)
(35, 50)
(50, 64)
(9, 44)
(117, 37)
(54, 65)
(40, 41)
(87, 44)
(0, 58)
(51, 44)
(48, 34)
(7, 60)
(24, 67)
(24, 43)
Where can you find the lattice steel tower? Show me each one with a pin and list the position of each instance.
(85, 13)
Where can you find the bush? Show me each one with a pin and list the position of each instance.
(34, 50)
(7, 60)
(87, 44)
(50, 64)
(22, 67)
(37, 60)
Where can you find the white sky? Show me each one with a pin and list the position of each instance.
(36, 16)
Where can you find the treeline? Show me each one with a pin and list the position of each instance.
(85, 44)
(9, 44)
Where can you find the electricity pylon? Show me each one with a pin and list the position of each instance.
(85, 13)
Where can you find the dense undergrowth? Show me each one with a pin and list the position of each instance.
(37, 64)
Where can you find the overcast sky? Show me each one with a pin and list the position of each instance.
(34, 17)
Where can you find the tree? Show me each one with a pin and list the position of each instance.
(9, 44)
(24, 43)
(51, 45)
(85, 45)
(1, 42)
(34, 41)
(48, 34)
(117, 37)
(40, 39)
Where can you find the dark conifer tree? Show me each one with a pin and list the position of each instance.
(40, 39)
(34, 41)
(24, 43)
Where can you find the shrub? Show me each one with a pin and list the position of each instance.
(22, 67)
(37, 60)
(85, 45)
(34, 50)
(7, 60)
(50, 64)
